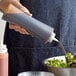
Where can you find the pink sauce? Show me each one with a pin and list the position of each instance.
(3, 64)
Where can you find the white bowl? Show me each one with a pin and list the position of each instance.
(60, 71)
(35, 73)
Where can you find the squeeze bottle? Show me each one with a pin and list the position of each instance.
(3, 49)
(35, 27)
(3, 60)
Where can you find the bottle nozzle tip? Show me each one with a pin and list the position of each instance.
(56, 40)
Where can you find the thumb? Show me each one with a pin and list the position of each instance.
(25, 10)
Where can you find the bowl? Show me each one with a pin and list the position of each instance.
(35, 73)
(60, 71)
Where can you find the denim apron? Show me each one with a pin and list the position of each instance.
(28, 53)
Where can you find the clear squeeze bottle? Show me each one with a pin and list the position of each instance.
(3, 60)
(35, 27)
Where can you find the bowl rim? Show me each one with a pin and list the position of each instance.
(56, 57)
(19, 74)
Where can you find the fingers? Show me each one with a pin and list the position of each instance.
(23, 31)
(17, 28)
(25, 10)
(20, 6)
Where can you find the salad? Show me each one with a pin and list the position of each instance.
(70, 62)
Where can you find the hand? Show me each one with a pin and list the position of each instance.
(16, 3)
(18, 28)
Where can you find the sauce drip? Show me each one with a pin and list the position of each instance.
(61, 45)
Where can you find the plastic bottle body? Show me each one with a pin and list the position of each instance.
(35, 27)
(4, 64)
(3, 49)
(3, 60)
